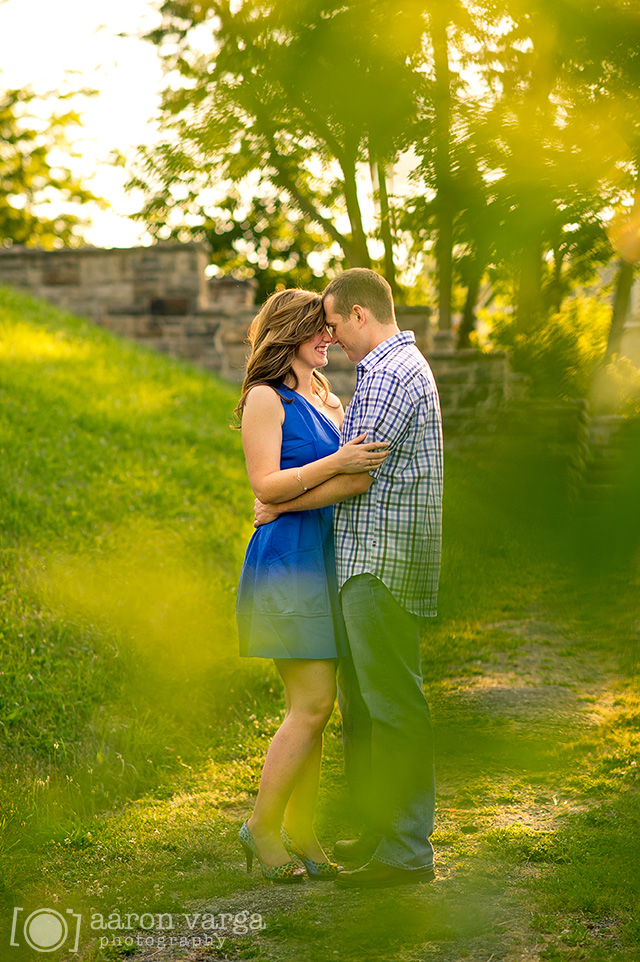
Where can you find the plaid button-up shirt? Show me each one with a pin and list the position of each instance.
(393, 531)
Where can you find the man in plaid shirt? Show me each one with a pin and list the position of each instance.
(388, 536)
(388, 559)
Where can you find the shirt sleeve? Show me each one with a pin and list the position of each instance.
(382, 409)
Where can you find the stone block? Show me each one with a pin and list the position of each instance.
(231, 292)
(122, 325)
(237, 357)
(492, 370)
(171, 305)
(453, 376)
(474, 397)
(148, 326)
(444, 342)
(232, 336)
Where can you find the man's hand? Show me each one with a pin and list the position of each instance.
(264, 513)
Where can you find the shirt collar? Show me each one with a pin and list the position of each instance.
(393, 343)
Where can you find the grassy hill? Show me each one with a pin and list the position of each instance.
(124, 515)
(133, 735)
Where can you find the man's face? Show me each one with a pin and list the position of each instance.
(347, 332)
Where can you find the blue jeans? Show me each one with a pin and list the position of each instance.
(387, 733)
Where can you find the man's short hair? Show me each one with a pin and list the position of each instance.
(361, 286)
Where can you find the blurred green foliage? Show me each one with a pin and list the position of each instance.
(562, 354)
(267, 240)
(40, 198)
(494, 142)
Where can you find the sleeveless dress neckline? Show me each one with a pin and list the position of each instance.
(317, 410)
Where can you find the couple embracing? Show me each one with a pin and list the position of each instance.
(329, 591)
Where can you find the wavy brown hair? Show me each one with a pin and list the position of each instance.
(285, 321)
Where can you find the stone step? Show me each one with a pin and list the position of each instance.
(602, 470)
(598, 492)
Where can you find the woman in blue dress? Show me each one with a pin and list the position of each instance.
(288, 607)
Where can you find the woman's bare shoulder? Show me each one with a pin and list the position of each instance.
(263, 399)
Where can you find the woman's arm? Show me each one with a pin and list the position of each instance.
(262, 421)
(340, 488)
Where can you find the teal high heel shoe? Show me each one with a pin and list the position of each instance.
(284, 874)
(317, 871)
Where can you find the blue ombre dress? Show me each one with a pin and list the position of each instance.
(288, 604)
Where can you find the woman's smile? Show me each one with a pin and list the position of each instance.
(313, 353)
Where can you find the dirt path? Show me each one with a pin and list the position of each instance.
(522, 726)
(512, 738)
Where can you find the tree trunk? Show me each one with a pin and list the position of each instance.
(358, 255)
(531, 155)
(351, 252)
(627, 241)
(556, 292)
(529, 295)
(624, 282)
(385, 229)
(442, 167)
(469, 314)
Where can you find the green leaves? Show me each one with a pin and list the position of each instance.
(295, 99)
(38, 193)
(518, 123)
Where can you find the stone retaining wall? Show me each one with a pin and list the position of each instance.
(160, 296)
(97, 283)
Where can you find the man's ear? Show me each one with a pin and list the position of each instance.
(360, 314)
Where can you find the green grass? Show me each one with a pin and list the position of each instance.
(125, 510)
(133, 735)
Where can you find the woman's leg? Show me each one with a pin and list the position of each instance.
(290, 774)
(300, 810)
(299, 813)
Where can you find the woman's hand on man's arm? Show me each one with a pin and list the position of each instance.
(262, 421)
